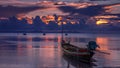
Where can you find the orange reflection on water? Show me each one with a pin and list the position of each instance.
(59, 42)
(47, 55)
(59, 38)
(102, 42)
(29, 43)
(48, 41)
(24, 47)
(48, 46)
(47, 50)
(46, 38)
(19, 46)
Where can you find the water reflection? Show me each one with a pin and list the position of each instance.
(106, 43)
(38, 51)
(103, 42)
(77, 64)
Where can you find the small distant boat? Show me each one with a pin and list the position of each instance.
(74, 51)
(44, 33)
(66, 34)
(24, 34)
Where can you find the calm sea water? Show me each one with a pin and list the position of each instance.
(36, 50)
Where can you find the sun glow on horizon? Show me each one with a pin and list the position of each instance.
(102, 21)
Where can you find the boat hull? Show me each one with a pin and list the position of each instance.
(79, 63)
(75, 52)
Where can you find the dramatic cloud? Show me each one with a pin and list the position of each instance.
(9, 1)
(91, 10)
(13, 10)
(16, 3)
(113, 9)
(88, 11)
(33, 8)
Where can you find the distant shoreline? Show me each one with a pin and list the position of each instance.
(91, 32)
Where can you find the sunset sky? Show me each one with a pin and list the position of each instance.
(31, 8)
(21, 1)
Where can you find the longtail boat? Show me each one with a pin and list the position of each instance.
(76, 63)
(81, 53)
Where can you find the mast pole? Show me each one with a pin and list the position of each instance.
(62, 30)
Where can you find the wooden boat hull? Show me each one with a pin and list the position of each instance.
(78, 63)
(75, 52)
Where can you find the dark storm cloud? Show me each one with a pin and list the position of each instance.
(89, 11)
(14, 10)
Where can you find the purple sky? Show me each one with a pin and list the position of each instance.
(25, 7)
(31, 1)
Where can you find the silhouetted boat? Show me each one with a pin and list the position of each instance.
(44, 34)
(24, 34)
(66, 34)
(74, 51)
(77, 63)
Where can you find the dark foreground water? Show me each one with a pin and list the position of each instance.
(36, 50)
